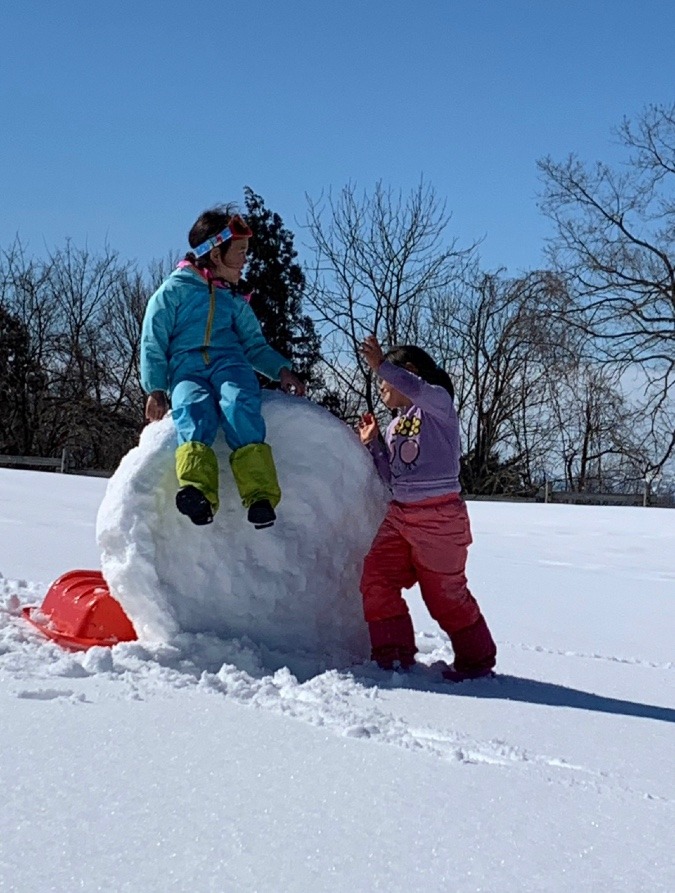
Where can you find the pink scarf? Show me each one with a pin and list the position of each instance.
(207, 277)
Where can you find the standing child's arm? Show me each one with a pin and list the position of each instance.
(372, 439)
(431, 398)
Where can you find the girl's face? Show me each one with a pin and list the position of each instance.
(231, 266)
(392, 398)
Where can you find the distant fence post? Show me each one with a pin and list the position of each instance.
(64, 461)
(547, 491)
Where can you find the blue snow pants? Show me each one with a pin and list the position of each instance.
(222, 393)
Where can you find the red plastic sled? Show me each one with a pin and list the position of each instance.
(79, 612)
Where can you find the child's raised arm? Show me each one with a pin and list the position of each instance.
(431, 398)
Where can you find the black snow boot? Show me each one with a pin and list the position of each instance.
(191, 502)
(261, 514)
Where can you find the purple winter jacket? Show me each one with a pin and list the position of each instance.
(420, 456)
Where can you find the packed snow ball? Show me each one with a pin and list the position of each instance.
(292, 588)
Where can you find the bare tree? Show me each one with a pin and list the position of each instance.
(615, 245)
(378, 259)
(602, 442)
(81, 314)
(498, 341)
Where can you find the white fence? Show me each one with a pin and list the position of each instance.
(572, 497)
(552, 492)
(56, 464)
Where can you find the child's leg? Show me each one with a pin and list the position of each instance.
(387, 570)
(195, 416)
(240, 406)
(251, 459)
(440, 540)
(255, 474)
(475, 649)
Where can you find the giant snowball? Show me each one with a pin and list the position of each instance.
(292, 588)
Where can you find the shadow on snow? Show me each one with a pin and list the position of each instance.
(517, 688)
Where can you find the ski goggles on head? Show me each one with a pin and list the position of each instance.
(237, 228)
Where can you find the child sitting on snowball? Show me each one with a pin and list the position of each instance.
(202, 344)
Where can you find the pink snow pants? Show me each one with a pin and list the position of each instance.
(424, 542)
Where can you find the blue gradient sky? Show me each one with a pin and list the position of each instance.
(121, 121)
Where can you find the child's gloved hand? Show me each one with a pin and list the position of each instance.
(156, 406)
(368, 428)
(290, 383)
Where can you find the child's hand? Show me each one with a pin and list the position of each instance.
(372, 352)
(368, 428)
(156, 406)
(290, 383)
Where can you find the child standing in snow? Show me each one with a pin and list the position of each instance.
(425, 535)
(202, 344)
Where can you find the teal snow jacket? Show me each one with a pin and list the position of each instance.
(190, 325)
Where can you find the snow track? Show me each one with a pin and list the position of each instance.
(363, 703)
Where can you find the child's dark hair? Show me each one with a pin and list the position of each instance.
(207, 225)
(425, 366)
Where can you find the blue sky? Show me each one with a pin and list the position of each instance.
(121, 121)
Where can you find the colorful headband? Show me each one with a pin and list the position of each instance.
(206, 246)
(236, 229)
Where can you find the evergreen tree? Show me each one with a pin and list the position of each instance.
(278, 284)
(21, 383)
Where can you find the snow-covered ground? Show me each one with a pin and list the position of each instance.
(200, 761)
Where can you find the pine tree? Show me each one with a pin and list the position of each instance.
(278, 282)
(21, 384)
